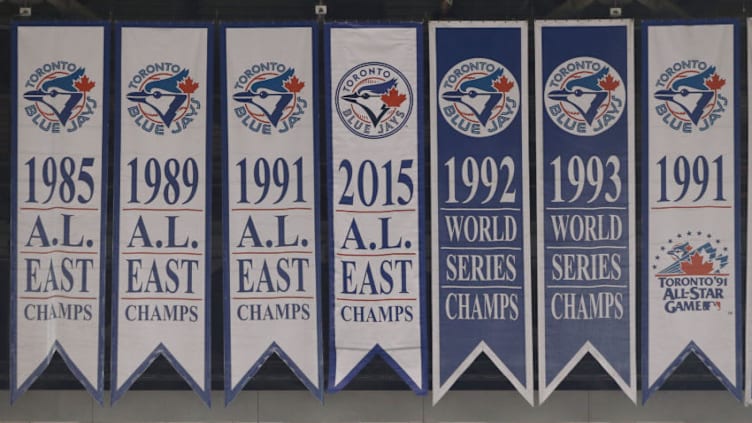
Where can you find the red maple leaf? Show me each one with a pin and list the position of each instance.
(715, 82)
(608, 83)
(696, 266)
(294, 85)
(503, 85)
(84, 84)
(393, 98)
(188, 86)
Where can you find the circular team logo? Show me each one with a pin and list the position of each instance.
(59, 97)
(269, 98)
(479, 97)
(690, 98)
(691, 272)
(163, 98)
(584, 96)
(374, 100)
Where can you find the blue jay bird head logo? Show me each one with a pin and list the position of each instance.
(584, 96)
(163, 97)
(374, 100)
(59, 96)
(269, 98)
(690, 97)
(479, 97)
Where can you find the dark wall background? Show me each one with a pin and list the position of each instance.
(377, 375)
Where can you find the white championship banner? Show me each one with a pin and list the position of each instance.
(691, 213)
(161, 267)
(271, 214)
(374, 111)
(59, 95)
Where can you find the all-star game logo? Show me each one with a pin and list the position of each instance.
(60, 98)
(584, 96)
(374, 100)
(479, 97)
(163, 100)
(270, 97)
(691, 272)
(690, 96)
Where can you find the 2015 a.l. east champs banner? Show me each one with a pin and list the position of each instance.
(374, 116)
(161, 262)
(586, 199)
(271, 202)
(691, 212)
(58, 201)
(480, 208)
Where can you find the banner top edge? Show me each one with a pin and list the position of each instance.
(583, 22)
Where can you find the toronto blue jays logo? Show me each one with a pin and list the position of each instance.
(164, 98)
(691, 271)
(270, 98)
(690, 96)
(374, 100)
(60, 96)
(584, 96)
(479, 97)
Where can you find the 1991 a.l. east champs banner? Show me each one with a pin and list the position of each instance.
(691, 281)
(480, 201)
(374, 112)
(586, 199)
(161, 268)
(270, 202)
(59, 186)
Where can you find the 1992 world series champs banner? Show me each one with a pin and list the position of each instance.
(691, 229)
(586, 199)
(480, 201)
(161, 261)
(271, 199)
(375, 129)
(58, 201)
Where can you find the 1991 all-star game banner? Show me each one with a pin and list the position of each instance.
(374, 96)
(59, 108)
(480, 201)
(691, 231)
(161, 268)
(586, 199)
(271, 203)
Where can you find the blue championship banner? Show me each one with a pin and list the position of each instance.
(59, 92)
(161, 285)
(748, 346)
(375, 132)
(271, 197)
(691, 213)
(480, 206)
(585, 199)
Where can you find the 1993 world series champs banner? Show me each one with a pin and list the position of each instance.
(161, 261)
(691, 229)
(586, 199)
(375, 129)
(58, 201)
(480, 201)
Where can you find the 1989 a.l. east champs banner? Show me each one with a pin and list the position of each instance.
(586, 199)
(691, 229)
(374, 115)
(271, 201)
(480, 201)
(162, 179)
(58, 201)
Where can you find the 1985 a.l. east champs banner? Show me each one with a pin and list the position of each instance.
(58, 202)
(480, 201)
(270, 202)
(374, 116)
(586, 199)
(162, 179)
(691, 229)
